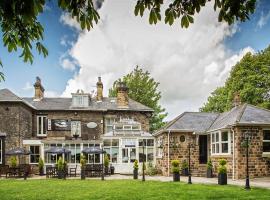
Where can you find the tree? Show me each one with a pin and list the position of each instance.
(250, 77)
(143, 89)
(22, 30)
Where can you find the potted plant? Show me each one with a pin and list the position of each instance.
(61, 168)
(222, 172)
(83, 163)
(41, 166)
(106, 164)
(184, 168)
(135, 169)
(209, 173)
(176, 170)
(13, 161)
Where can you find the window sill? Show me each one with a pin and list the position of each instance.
(267, 155)
(221, 155)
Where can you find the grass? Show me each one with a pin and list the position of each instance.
(121, 189)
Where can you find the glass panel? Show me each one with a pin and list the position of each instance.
(217, 148)
(217, 137)
(213, 148)
(115, 142)
(225, 148)
(78, 153)
(73, 153)
(135, 127)
(266, 147)
(266, 134)
(107, 143)
(125, 155)
(39, 125)
(213, 138)
(132, 155)
(141, 142)
(141, 155)
(97, 158)
(224, 136)
(115, 152)
(150, 154)
(150, 142)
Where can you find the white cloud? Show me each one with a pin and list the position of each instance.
(188, 63)
(263, 19)
(68, 20)
(28, 86)
(51, 93)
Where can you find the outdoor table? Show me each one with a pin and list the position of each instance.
(13, 171)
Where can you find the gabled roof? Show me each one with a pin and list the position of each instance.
(66, 103)
(245, 114)
(190, 122)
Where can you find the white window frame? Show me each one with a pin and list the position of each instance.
(220, 142)
(80, 100)
(43, 117)
(1, 151)
(76, 125)
(110, 124)
(32, 153)
(268, 153)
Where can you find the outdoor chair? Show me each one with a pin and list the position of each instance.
(73, 171)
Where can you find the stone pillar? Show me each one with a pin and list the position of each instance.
(39, 90)
(122, 95)
(99, 90)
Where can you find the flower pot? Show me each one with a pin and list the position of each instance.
(112, 169)
(176, 176)
(82, 173)
(222, 179)
(61, 174)
(135, 174)
(209, 173)
(41, 172)
(185, 172)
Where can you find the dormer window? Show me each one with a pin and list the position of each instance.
(80, 99)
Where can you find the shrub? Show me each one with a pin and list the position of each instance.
(13, 161)
(135, 165)
(60, 164)
(106, 161)
(175, 166)
(151, 170)
(184, 165)
(83, 160)
(40, 164)
(222, 169)
(209, 165)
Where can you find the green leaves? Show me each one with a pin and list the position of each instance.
(144, 89)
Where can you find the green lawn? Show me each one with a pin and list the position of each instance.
(121, 189)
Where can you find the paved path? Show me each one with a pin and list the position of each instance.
(256, 182)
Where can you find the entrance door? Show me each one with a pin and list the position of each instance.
(128, 155)
(203, 149)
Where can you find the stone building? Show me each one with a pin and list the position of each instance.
(39, 123)
(213, 136)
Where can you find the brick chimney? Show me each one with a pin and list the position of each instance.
(236, 99)
(39, 90)
(122, 95)
(99, 90)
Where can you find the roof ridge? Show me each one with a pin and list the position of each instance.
(218, 114)
(265, 109)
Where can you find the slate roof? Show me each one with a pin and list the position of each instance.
(199, 122)
(66, 103)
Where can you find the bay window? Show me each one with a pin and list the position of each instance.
(266, 141)
(220, 142)
(41, 126)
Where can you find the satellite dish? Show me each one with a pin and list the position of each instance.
(91, 125)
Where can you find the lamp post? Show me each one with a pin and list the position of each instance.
(143, 174)
(247, 136)
(189, 171)
(102, 163)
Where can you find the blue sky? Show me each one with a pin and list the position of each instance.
(112, 49)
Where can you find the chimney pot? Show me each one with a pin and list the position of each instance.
(122, 95)
(99, 89)
(39, 89)
(236, 99)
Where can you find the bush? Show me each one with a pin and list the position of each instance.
(40, 164)
(60, 164)
(135, 165)
(13, 161)
(151, 170)
(175, 166)
(209, 165)
(83, 160)
(106, 161)
(222, 169)
(184, 165)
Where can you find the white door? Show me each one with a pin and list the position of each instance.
(128, 158)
